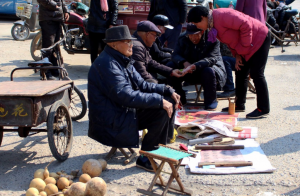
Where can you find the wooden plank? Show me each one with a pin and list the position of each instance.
(218, 147)
(111, 153)
(157, 173)
(148, 154)
(124, 153)
(226, 163)
(30, 88)
(143, 191)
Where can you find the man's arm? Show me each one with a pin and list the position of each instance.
(138, 55)
(114, 11)
(49, 4)
(157, 53)
(159, 68)
(182, 10)
(114, 84)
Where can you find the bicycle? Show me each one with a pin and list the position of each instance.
(78, 106)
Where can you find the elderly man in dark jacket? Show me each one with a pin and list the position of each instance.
(101, 17)
(195, 53)
(51, 14)
(121, 102)
(176, 11)
(148, 68)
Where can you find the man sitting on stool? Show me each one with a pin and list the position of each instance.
(121, 102)
(195, 53)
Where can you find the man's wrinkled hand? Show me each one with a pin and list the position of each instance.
(186, 64)
(189, 69)
(168, 107)
(177, 73)
(176, 98)
(238, 62)
(67, 16)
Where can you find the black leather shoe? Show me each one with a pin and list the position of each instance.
(257, 114)
(237, 109)
(226, 94)
(144, 165)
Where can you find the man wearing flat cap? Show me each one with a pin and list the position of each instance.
(121, 102)
(203, 60)
(145, 35)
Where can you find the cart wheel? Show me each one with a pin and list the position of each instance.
(60, 131)
(19, 32)
(78, 104)
(1, 135)
(36, 46)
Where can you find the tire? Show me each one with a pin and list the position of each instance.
(36, 46)
(1, 135)
(60, 131)
(19, 35)
(78, 106)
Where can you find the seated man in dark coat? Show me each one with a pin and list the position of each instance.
(148, 68)
(157, 51)
(195, 53)
(121, 102)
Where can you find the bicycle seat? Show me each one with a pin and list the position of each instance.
(292, 12)
(43, 62)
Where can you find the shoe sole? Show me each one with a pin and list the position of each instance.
(236, 111)
(257, 117)
(144, 168)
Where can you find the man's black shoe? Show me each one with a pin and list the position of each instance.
(257, 113)
(226, 94)
(146, 165)
(237, 109)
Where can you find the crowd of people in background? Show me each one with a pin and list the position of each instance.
(136, 81)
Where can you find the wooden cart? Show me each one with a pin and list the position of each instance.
(26, 105)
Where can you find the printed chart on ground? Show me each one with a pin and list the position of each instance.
(186, 116)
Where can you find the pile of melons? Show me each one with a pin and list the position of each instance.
(90, 184)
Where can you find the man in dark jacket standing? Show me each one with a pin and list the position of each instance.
(51, 14)
(103, 15)
(121, 102)
(195, 53)
(148, 68)
(176, 11)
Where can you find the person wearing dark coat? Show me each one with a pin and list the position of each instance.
(157, 51)
(195, 53)
(121, 102)
(148, 68)
(103, 15)
(51, 14)
(176, 11)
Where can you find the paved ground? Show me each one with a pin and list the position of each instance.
(278, 135)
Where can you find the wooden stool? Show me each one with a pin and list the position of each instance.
(128, 157)
(166, 154)
(199, 89)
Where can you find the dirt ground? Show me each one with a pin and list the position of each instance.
(278, 135)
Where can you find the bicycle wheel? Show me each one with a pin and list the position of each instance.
(36, 46)
(20, 32)
(78, 104)
(60, 131)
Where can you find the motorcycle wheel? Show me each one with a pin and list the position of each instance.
(36, 46)
(18, 34)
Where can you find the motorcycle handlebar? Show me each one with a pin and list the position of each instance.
(58, 42)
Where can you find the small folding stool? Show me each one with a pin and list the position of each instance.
(174, 158)
(132, 154)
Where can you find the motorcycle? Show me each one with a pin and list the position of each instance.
(28, 13)
(77, 42)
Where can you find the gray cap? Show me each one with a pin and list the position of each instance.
(147, 26)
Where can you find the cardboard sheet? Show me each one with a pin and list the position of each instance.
(252, 152)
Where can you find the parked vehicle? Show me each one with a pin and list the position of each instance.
(76, 42)
(28, 13)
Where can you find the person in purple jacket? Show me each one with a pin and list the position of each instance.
(255, 8)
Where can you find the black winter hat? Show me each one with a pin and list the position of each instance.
(147, 26)
(162, 20)
(117, 33)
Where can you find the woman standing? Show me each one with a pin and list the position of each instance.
(249, 42)
(103, 15)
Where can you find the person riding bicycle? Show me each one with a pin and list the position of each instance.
(51, 14)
